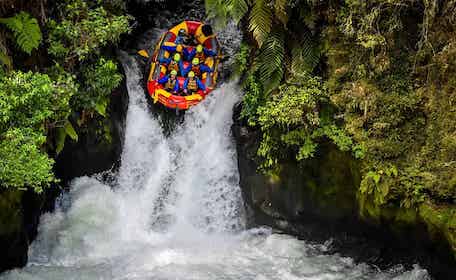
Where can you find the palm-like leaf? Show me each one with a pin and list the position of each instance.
(305, 54)
(260, 21)
(25, 29)
(271, 59)
(238, 8)
(280, 9)
(216, 9)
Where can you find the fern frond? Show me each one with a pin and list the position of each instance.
(280, 10)
(216, 9)
(238, 8)
(260, 21)
(211, 7)
(271, 59)
(25, 29)
(305, 54)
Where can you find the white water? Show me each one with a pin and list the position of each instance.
(175, 212)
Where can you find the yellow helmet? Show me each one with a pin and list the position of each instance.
(195, 61)
(174, 72)
(199, 48)
(191, 74)
(179, 48)
(176, 57)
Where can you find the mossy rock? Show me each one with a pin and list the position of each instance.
(440, 220)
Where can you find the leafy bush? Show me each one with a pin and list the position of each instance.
(83, 31)
(30, 105)
(37, 109)
(31, 99)
(295, 119)
(23, 164)
(253, 98)
(98, 82)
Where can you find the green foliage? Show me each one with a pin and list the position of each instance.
(238, 8)
(253, 98)
(37, 109)
(390, 82)
(30, 105)
(62, 133)
(23, 164)
(305, 54)
(275, 39)
(270, 61)
(98, 82)
(31, 99)
(260, 21)
(26, 31)
(241, 63)
(281, 11)
(295, 120)
(83, 31)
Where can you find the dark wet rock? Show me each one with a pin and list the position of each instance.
(317, 200)
(19, 217)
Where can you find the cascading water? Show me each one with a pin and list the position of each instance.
(175, 211)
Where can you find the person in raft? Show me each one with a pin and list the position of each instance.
(172, 48)
(197, 68)
(192, 84)
(173, 64)
(199, 52)
(170, 82)
(182, 37)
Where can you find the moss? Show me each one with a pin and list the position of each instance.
(440, 220)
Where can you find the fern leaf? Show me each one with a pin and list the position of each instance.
(280, 11)
(25, 29)
(305, 54)
(271, 60)
(217, 10)
(210, 7)
(260, 21)
(238, 8)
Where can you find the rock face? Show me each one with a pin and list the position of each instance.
(94, 152)
(13, 236)
(317, 200)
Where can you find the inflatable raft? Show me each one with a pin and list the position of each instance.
(200, 34)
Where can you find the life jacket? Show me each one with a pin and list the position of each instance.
(170, 84)
(192, 85)
(200, 56)
(196, 70)
(173, 65)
